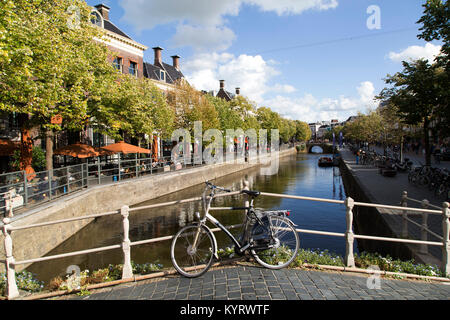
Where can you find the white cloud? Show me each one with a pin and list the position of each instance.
(293, 6)
(310, 109)
(429, 52)
(144, 14)
(250, 73)
(198, 18)
(257, 80)
(203, 37)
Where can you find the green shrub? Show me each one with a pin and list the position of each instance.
(318, 257)
(24, 280)
(387, 263)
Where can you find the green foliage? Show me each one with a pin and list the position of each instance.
(303, 131)
(108, 274)
(190, 106)
(25, 281)
(387, 263)
(317, 257)
(435, 26)
(38, 162)
(135, 106)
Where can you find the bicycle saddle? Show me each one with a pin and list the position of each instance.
(253, 194)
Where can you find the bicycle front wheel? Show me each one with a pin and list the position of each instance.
(285, 248)
(188, 260)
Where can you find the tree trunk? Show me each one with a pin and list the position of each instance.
(49, 149)
(26, 147)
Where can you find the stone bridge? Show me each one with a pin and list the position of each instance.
(326, 147)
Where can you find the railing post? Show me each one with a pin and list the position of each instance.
(119, 178)
(10, 211)
(99, 171)
(445, 240)
(349, 235)
(68, 179)
(127, 271)
(247, 188)
(25, 187)
(50, 180)
(11, 286)
(137, 168)
(424, 247)
(405, 215)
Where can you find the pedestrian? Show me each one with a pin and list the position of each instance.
(357, 156)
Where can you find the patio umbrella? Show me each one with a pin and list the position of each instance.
(8, 147)
(77, 150)
(102, 152)
(125, 148)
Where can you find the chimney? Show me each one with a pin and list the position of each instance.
(104, 10)
(176, 62)
(238, 91)
(222, 84)
(158, 58)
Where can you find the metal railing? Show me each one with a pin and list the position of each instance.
(19, 189)
(425, 230)
(349, 236)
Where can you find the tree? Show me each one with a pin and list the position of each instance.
(133, 106)
(435, 26)
(302, 131)
(50, 67)
(190, 106)
(246, 111)
(229, 118)
(365, 128)
(268, 120)
(417, 94)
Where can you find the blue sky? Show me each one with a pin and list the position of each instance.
(294, 56)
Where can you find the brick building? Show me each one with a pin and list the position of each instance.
(224, 94)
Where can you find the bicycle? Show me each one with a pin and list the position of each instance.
(269, 236)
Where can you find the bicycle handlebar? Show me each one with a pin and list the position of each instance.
(214, 187)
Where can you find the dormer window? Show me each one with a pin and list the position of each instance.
(162, 75)
(96, 19)
(133, 68)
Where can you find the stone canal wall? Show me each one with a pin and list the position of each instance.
(369, 220)
(36, 242)
(365, 184)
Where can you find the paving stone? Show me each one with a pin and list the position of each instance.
(241, 283)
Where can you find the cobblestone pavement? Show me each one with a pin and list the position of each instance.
(256, 283)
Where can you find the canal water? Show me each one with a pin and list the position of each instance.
(298, 174)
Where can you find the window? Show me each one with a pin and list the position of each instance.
(133, 68)
(162, 75)
(118, 63)
(96, 18)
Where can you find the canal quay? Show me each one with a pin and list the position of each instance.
(240, 280)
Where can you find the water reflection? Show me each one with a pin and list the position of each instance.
(298, 175)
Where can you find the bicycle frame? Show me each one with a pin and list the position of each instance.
(210, 218)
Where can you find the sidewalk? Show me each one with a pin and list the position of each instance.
(418, 159)
(256, 283)
(388, 190)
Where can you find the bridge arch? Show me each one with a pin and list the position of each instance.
(326, 147)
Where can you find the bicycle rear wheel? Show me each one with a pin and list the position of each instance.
(189, 261)
(287, 244)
